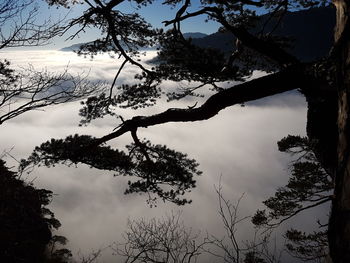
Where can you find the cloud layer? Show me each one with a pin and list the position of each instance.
(238, 145)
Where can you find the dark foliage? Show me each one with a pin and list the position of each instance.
(182, 60)
(26, 223)
(7, 75)
(309, 186)
(307, 247)
(252, 257)
(160, 171)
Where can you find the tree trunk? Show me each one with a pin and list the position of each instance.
(339, 225)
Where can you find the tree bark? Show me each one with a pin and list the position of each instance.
(339, 225)
(291, 78)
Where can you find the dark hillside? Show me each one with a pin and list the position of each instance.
(311, 30)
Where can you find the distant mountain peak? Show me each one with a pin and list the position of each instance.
(73, 47)
(194, 35)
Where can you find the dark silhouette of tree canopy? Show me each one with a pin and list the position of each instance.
(324, 82)
(26, 224)
(309, 186)
(159, 170)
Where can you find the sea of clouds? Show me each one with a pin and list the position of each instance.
(238, 146)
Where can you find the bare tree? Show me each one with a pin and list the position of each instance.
(92, 257)
(19, 26)
(32, 90)
(229, 248)
(27, 89)
(168, 240)
(164, 240)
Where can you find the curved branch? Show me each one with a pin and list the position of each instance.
(113, 4)
(289, 79)
(202, 11)
(116, 77)
(323, 200)
(180, 13)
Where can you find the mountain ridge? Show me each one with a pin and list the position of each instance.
(192, 35)
(311, 30)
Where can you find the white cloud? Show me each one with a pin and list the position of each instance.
(239, 144)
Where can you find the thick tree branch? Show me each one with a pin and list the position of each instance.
(180, 13)
(289, 79)
(113, 4)
(116, 77)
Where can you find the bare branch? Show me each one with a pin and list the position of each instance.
(34, 90)
(164, 240)
(116, 77)
(22, 27)
(322, 201)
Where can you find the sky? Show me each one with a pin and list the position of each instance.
(238, 146)
(154, 14)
